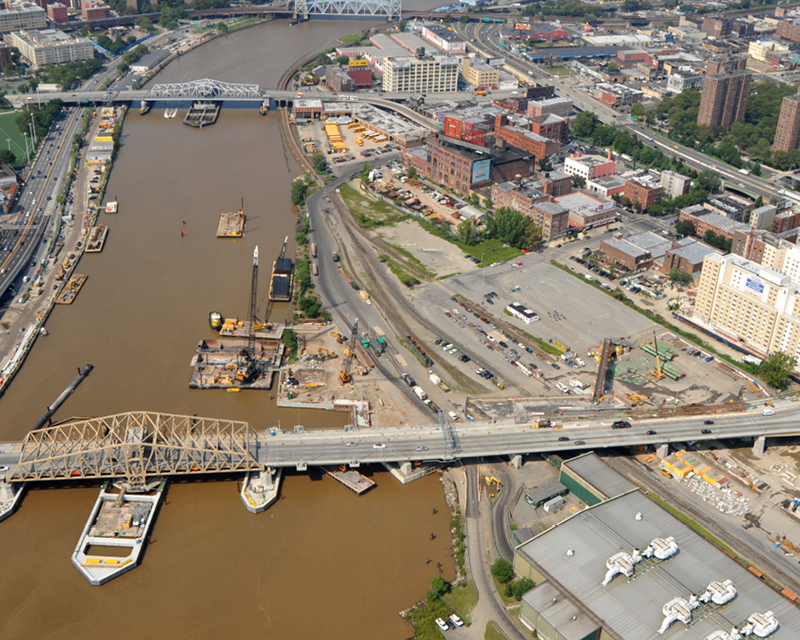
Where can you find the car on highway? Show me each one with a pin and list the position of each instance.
(379, 445)
(579, 442)
(554, 365)
(706, 431)
(422, 448)
(708, 422)
(651, 433)
(563, 438)
(768, 412)
(351, 444)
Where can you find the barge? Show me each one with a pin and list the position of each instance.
(115, 534)
(72, 289)
(97, 239)
(280, 284)
(202, 114)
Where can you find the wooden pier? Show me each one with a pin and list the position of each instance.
(96, 239)
(215, 363)
(71, 289)
(202, 114)
(349, 478)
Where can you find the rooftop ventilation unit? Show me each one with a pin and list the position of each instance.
(621, 562)
(719, 635)
(661, 548)
(678, 609)
(761, 625)
(719, 593)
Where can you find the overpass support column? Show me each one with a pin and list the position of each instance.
(759, 446)
(405, 468)
(662, 451)
(516, 461)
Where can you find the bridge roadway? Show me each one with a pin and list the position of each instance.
(140, 445)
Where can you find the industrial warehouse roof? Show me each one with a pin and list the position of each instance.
(632, 609)
(593, 470)
(571, 622)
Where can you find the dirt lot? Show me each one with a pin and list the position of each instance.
(440, 256)
(318, 384)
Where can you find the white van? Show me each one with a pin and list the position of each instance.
(768, 412)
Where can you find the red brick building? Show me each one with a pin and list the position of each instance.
(57, 12)
(550, 126)
(527, 198)
(645, 192)
(785, 221)
(530, 142)
(95, 10)
(789, 29)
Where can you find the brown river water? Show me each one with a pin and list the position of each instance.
(321, 563)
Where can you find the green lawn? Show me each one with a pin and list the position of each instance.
(10, 131)
(493, 632)
(462, 600)
(369, 213)
(561, 71)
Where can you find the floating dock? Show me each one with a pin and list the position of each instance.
(71, 289)
(97, 239)
(112, 207)
(202, 114)
(231, 224)
(10, 495)
(215, 364)
(115, 533)
(350, 478)
(260, 490)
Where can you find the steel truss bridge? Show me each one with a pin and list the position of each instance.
(205, 89)
(389, 8)
(139, 446)
(136, 446)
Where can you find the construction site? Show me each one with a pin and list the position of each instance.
(342, 371)
(248, 352)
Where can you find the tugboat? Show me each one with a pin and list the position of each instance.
(215, 320)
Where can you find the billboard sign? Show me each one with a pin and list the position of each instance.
(521, 26)
(755, 285)
(481, 170)
(605, 206)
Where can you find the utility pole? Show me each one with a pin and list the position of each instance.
(28, 153)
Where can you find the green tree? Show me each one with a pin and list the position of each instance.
(299, 191)
(145, 23)
(521, 587)
(679, 276)
(532, 238)
(222, 27)
(685, 227)
(412, 172)
(448, 19)
(6, 157)
(289, 339)
(578, 181)
(613, 67)
(401, 26)
(638, 109)
(464, 20)
(709, 180)
(342, 60)
(466, 233)
(319, 162)
(502, 570)
(759, 203)
(584, 124)
(508, 225)
(776, 368)
(439, 587)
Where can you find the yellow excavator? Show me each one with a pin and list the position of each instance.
(349, 354)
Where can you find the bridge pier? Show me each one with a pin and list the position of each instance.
(759, 446)
(662, 451)
(516, 461)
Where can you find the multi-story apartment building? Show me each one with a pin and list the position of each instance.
(22, 15)
(550, 126)
(724, 98)
(479, 73)
(57, 12)
(420, 74)
(95, 10)
(550, 106)
(675, 184)
(718, 27)
(789, 29)
(787, 134)
(50, 46)
(590, 167)
(521, 138)
(643, 190)
(757, 305)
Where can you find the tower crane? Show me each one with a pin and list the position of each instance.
(349, 354)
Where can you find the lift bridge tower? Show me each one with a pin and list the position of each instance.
(389, 8)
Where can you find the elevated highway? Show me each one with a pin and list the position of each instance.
(141, 445)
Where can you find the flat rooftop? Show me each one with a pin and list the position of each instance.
(593, 470)
(577, 199)
(632, 609)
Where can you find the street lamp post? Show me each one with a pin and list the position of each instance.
(484, 270)
(27, 152)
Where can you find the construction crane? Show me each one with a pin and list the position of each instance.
(247, 356)
(349, 354)
(657, 373)
(262, 325)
